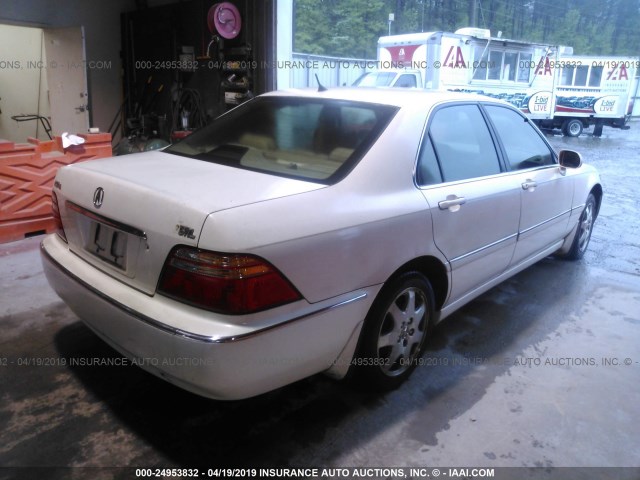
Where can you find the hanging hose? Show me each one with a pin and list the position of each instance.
(188, 112)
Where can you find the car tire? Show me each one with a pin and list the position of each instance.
(572, 127)
(394, 333)
(585, 227)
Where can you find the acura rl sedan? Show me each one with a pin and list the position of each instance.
(311, 231)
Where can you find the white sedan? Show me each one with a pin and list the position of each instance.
(306, 232)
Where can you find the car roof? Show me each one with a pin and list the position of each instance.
(399, 97)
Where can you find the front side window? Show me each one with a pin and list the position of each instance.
(377, 79)
(310, 139)
(462, 143)
(523, 145)
(406, 81)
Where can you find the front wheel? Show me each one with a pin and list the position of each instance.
(585, 227)
(395, 332)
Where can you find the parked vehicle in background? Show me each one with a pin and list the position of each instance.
(400, 78)
(593, 91)
(546, 82)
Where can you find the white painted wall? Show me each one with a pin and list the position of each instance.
(23, 84)
(101, 20)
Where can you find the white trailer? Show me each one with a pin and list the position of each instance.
(471, 60)
(593, 91)
(529, 75)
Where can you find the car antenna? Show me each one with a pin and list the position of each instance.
(321, 88)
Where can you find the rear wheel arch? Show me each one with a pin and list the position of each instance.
(434, 271)
(425, 280)
(394, 332)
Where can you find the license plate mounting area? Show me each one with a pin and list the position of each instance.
(108, 244)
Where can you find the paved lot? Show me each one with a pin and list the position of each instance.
(543, 370)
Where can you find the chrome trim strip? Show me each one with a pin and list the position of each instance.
(183, 333)
(106, 221)
(546, 221)
(244, 336)
(579, 207)
(506, 173)
(461, 257)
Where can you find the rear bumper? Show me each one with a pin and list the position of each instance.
(216, 356)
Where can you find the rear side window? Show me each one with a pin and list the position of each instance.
(523, 145)
(462, 143)
(428, 172)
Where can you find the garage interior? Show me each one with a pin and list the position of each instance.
(482, 399)
(133, 90)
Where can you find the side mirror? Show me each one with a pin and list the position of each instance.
(569, 159)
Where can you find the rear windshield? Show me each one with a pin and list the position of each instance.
(319, 140)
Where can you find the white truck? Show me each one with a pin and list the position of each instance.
(593, 91)
(393, 77)
(547, 82)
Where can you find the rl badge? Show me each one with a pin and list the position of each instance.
(184, 231)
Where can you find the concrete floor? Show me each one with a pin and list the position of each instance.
(543, 370)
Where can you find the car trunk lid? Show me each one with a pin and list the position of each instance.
(124, 214)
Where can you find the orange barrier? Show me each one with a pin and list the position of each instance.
(27, 171)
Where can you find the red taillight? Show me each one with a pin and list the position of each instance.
(55, 209)
(225, 283)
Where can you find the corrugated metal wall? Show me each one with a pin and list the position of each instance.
(332, 71)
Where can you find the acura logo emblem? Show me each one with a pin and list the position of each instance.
(98, 197)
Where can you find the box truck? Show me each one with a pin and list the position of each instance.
(547, 82)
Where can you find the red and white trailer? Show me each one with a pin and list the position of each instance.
(543, 81)
(593, 91)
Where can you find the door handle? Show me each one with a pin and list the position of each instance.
(529, 184)
(451, 201)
